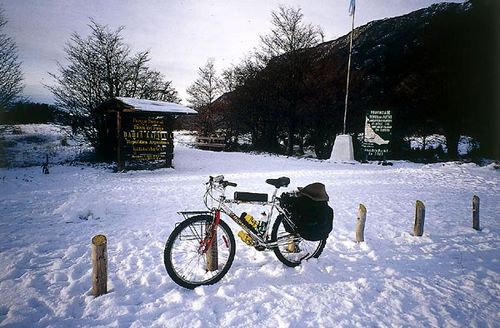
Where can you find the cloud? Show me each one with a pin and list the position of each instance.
(180, 35)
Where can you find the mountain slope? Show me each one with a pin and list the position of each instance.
(435, 68)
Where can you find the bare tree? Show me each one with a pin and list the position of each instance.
(206, 88)
(202, 94)
(266, 97)
(11, 76)
(100, 67)
(289, 33)
(236, 75)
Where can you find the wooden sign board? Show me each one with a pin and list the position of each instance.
(147, 140)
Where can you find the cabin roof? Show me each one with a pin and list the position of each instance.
(145, 105)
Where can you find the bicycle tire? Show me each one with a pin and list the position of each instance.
(303, 249)
(185, 264)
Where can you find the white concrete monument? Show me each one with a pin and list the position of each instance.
(343, 150)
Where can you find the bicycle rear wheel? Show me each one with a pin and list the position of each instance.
(292, 249)
(184, 260)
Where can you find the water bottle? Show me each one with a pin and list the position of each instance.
(245, 238)
(261, 227)
(250, 221)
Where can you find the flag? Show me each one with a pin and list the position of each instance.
(352, 7)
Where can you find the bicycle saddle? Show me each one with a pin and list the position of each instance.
(280, 182)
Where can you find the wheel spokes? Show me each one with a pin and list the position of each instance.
(188, 262)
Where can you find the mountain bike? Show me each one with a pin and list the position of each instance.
(201, 249)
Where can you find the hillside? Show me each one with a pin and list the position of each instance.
(435, 68)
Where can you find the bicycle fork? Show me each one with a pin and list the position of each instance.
(211, 235)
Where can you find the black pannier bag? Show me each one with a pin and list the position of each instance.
(313, 218)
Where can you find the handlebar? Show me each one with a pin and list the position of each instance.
(216, 183)
(220, 181)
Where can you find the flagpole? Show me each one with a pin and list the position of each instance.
(348, 71)
(342, 147)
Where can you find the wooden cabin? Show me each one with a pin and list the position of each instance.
(138, 133)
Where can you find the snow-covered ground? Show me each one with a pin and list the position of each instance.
(465, 144)
(450, 277)
(30, 144)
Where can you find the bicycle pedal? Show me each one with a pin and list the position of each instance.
(260, 248)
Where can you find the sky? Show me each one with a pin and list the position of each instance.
(180, 34)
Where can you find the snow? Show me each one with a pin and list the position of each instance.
(465, 144)
(29, 144)
(450, 277)
(156, 106)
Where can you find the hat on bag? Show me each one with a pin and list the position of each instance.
(315, 191)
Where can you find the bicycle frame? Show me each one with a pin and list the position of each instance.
(222, 206)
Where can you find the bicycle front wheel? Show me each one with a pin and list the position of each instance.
(184, 259)
(292, 249)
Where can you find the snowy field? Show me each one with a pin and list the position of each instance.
(28, 144)
(450, 277)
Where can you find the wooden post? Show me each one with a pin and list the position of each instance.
(169, 149)
(212, 253)
(475, 212)
(292, 247)
(119, 143)
(99, 265)
(45, 166)
(418, 229)
(360, 225)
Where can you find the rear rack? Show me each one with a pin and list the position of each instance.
(188, 214)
